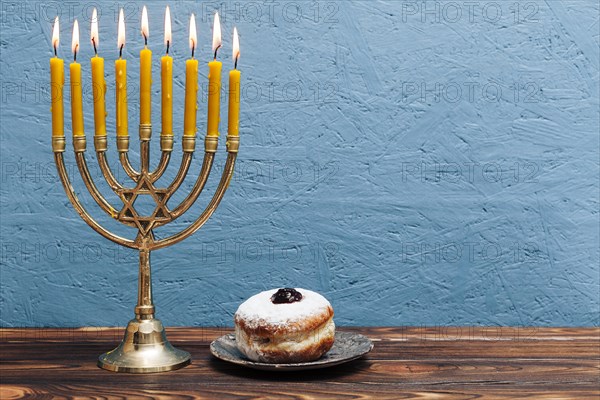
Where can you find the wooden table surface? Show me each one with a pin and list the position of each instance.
(443, 362)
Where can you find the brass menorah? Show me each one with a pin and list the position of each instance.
(145, 347)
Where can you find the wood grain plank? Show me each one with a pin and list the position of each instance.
(386, 373)
(406, 363)
(286, 391)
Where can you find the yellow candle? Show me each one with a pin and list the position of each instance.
(76, 91)
(214, 84)
(76, 99)
(99, 87)
(167, 95)
(191, 86)
(145, 74)
(214, 97)
(121, 81)
(121, 78)
(191, 92)
(234, 103)
(98, 82)
(166, 75)
(233, 126)
(57, 81)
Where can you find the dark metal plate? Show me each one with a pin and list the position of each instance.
(348, 346)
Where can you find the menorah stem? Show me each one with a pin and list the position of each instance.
(144, 308)
(145, 347)
(144, 156)
(145, 136)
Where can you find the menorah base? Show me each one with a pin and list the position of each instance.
(144, 349)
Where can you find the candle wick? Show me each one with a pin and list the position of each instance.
(145, 40)
(55, 55)
(121, 51)
(193, 48)
(75, 53)
(168, 43)
(94, 43)
(235, 64)
(216, 50)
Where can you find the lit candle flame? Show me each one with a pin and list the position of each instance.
(94, 36)
(145, 29)
(236, 46)
(121, 31)
(55, 34)
(75, 41)
(193, 38)
(216, 33)
(167, 27)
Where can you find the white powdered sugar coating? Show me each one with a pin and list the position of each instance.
(259, 309)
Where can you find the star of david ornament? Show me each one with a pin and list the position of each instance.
(144, 223)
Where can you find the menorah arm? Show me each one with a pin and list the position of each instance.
(210, 146)
(189, 146)
(101, 145)
(232, 148)
(91, 186)
(198, 186)
(165, 157)
(123, 149)
(186, 161)
(166, 146)
(64, 177)
(129, 170)
(107, 172)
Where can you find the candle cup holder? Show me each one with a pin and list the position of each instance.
(145, 347)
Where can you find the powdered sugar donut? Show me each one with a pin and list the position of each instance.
(284, 326)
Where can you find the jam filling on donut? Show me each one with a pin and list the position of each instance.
(286, 295)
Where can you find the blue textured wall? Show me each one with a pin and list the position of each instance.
(417, 163)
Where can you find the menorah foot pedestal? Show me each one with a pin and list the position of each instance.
(144, 349)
